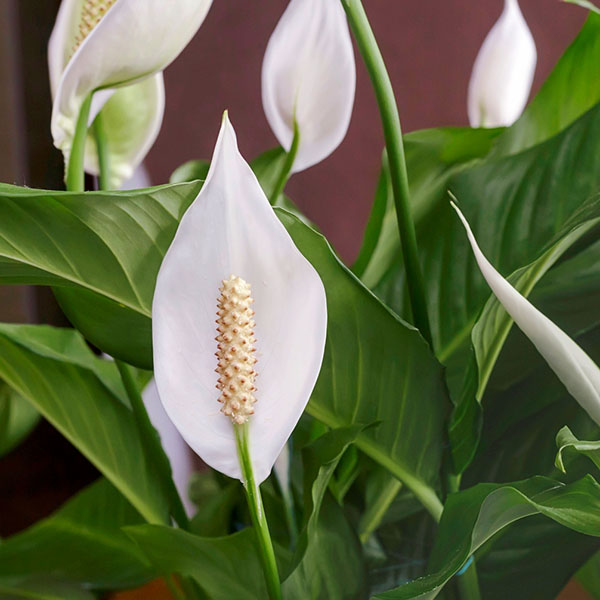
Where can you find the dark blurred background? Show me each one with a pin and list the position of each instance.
(429, 47)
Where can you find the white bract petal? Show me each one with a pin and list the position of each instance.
(309, 74)
(230, 229)
(99, 45)
(503, 71)
(178, 452)
(282, 470)
(578, 372)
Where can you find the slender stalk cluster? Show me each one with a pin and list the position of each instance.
(92, 13)
(235, 350)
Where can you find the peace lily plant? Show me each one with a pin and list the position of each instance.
(392, 432)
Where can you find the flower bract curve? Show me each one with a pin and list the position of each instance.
(230, 251)
(577, 371)
(309, 75)
(503, 71)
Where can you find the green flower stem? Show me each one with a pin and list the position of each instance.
(75, 179)
(257, 513)
(392, 131)
(372, 518)
(151, 442)
(103, 153)
(286, 169)
(467, 584)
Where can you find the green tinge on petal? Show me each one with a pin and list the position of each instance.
(132, 118)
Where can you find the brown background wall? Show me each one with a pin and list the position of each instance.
(429, 47)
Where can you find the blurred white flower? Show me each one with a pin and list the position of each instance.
(503, 71)
(231, 229)
(177, 451)
(578, 372)
(102, 45)
(309, 75)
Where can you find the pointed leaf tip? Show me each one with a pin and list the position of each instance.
(577, 371)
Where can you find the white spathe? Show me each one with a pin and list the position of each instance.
(231, 229)
(179, 454)
(503, 71)
(578, 372)
(309, 74)
(132, 44)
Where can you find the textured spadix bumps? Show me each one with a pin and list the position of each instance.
(101, 45)
(236, 350)
(309, 75)
(231, 229)
(503, 71)
(578, 372)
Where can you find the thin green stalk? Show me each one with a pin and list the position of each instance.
(150, 440)
(75, 179)
(286, 169)
(468, 584)
(152, 447)
(173, 587)
(103, 153)
(372, 518)
(290, 517)
(257, 513)
(392, 131)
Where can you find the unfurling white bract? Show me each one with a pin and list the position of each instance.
(309, 76)
(503, 71)
(578, 372)
(100, 46)
(231, 229)
(178, 452)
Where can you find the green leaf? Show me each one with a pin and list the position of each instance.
(570, 90)
(17, 419)
(532, 559)
(109, 244)
(55, 371)
(224, 567)
(81, 543)
(432, 156)
(589, 576)
(332, 566)
(320, 459)
(568, 445)
(44, 589)
(192, 170)
(493, 325)
(408, 401)
(473, 516)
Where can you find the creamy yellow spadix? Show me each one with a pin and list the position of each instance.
(236, 350)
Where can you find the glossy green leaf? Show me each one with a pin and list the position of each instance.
(108, 244)
(568, 445)
(44, 589)
(589, 576)
(190, 171)
(570, 90)
(432, 157)
(532, 559)
(408, 401)
(224, 567)
(17, 419)
(473, 516)
(493, 325)
(55, 371)
(81, 543)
